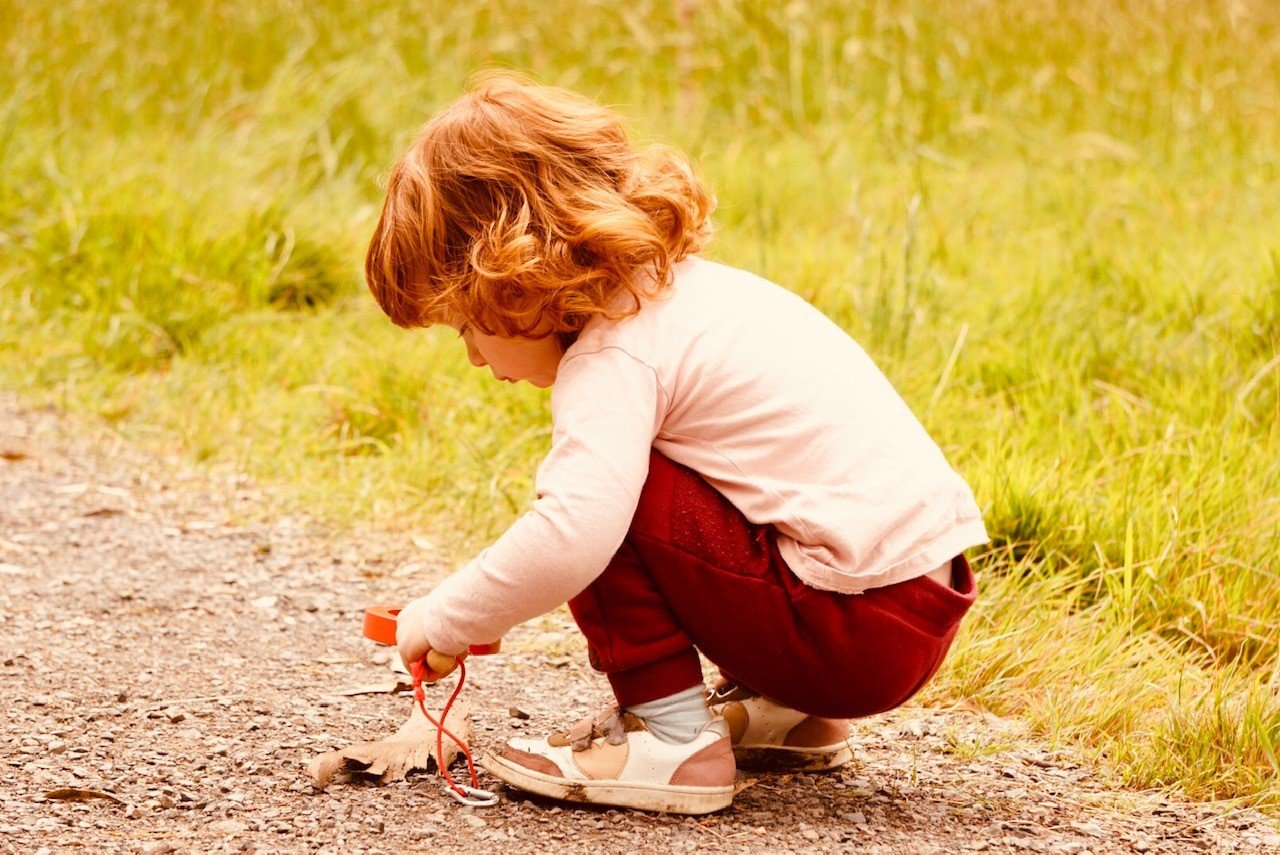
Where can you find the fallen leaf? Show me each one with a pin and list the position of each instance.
(387, 688)
(744, 784)
(76, 794)
(410, 748)
(12, 454)
(101, 512)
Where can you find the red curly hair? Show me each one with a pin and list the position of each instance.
(522, 209)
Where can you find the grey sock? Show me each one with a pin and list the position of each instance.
(675, 718)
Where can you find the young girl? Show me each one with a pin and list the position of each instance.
(729, 472)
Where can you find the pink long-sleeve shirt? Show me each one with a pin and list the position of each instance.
(774, 405)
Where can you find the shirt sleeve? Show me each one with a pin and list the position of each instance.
(606, 412)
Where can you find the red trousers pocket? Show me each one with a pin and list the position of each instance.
(693, 574)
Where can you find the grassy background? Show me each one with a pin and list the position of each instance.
(1055, 225)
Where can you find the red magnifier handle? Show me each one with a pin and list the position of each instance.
(380, 626)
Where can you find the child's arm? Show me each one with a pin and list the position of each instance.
(607, 407)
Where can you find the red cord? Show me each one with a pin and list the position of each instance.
(420, 694)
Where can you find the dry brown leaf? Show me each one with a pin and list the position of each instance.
(410, 748)
(13, 454)
(78, 794)
(388, 688)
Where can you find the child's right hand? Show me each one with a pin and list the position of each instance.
(415, 650)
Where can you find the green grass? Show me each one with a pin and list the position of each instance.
(1056, 226)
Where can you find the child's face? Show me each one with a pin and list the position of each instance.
(514, 359)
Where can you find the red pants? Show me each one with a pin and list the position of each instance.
(693, 574)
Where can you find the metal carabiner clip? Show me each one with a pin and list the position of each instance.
(471, 796)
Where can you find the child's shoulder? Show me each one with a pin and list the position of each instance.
(697, 279)
(702, 293)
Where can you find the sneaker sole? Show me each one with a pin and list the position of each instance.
(787, 758)
(631, 794)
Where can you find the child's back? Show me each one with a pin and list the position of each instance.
(787, 416)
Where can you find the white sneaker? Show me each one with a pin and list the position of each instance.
(768, 736)
(613, 759)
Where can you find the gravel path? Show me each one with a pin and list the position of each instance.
(168, 639)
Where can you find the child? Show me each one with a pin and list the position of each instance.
(729, 472)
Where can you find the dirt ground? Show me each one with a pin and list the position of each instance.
(169, 640)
